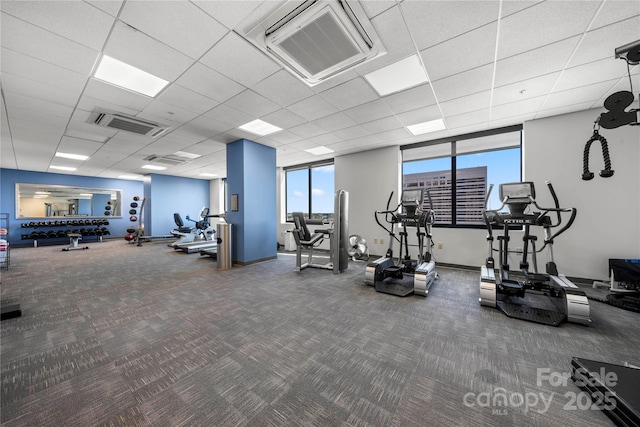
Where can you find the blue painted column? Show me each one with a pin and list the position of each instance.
(251, 188)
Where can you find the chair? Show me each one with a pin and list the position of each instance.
(180, 224)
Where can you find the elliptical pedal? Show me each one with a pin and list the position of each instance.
(531, 314)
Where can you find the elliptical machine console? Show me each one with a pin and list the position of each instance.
(406, 276)
(511, 294)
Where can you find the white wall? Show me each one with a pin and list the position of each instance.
(608, 220)
(369, 177)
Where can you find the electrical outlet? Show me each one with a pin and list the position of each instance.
(382, 241)
(375, 241)
(439, 245)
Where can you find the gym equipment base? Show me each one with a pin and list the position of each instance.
(10, 311)
(615, 389)
(399, 287)
(531, 314)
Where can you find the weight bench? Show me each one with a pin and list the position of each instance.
(305, 240)
(74, 238)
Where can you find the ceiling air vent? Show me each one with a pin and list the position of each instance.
(317, 39)
(127, 123)
(168, 159)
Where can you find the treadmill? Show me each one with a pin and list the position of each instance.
(197, 246)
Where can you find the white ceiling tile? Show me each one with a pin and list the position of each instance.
(614, 11)
(543, 24)
(382, 125)
(186, 99)
(230, 57)
(283, 137)
(370, 111)
(466, 104)
(432, 22)
(307, 130)
(593, 72)
(531, 88)
(511, 7)
(112, 7)
(37, 90)
(20, 106)
(313, 108)
(252, 104)
(204, 80)
(352, 132)
(509, 121)
(178, 24)
(467, 51)
(283, 118)
(623, 84)
(78, 146)
(526, 106)
(30, 40)
(602, 42)
(420, 115)
(578, 95)
(230, 13)
(229, 116)
(463, 84)
(395, 37)
(354, 92)
(166, 114)
(44, 72)
(326, 139)
(374, 8)
(467, 119)
(113, 95)
(570, 108)
(410, 99)
(335, 122)
(538, 62)
(138, 49)
(74, 20)
(283, 88)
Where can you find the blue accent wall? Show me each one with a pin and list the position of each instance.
(9, 178)
(168, 194)
(251, 174)
(165, 195)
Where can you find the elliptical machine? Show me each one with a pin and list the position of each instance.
(202, 231)
(502, 290)
(407, 276)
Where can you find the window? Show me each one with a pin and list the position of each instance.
(458, 183)
(310, 190)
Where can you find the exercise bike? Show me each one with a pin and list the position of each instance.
(515, 296)
(202, 231)
(406, 276)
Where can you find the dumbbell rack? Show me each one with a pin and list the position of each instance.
(47, 229)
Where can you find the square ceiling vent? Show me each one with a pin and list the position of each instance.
(317, 39)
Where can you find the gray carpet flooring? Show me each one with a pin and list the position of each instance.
(121, 335)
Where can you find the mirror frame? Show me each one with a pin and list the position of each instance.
(117, 207)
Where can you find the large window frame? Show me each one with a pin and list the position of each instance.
(465, 144)
(309, 169)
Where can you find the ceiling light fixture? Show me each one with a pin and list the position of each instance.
(71, 156)
(187, 155)
(128, 77)
(208, 174)
(63, 168)
(154, 167)
(130, 176)
(398, 76)
(258, 127)
(426, 127)
(319, 150)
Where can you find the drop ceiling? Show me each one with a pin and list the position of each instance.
(489, 64)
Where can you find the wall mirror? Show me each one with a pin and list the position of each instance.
(53, 201)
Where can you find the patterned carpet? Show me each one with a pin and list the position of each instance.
(121, 335)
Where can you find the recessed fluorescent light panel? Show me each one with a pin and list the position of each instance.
(398, 76)
(154, 167)
(208, 174)
(258, 127)
(130, 176)
(43, 192)
(426, 127)
(319, 150)
(126, 76)
(71, 156)
(187, 155)
(63, 168)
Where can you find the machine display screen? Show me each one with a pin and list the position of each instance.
(517, 191)
(412, 196)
